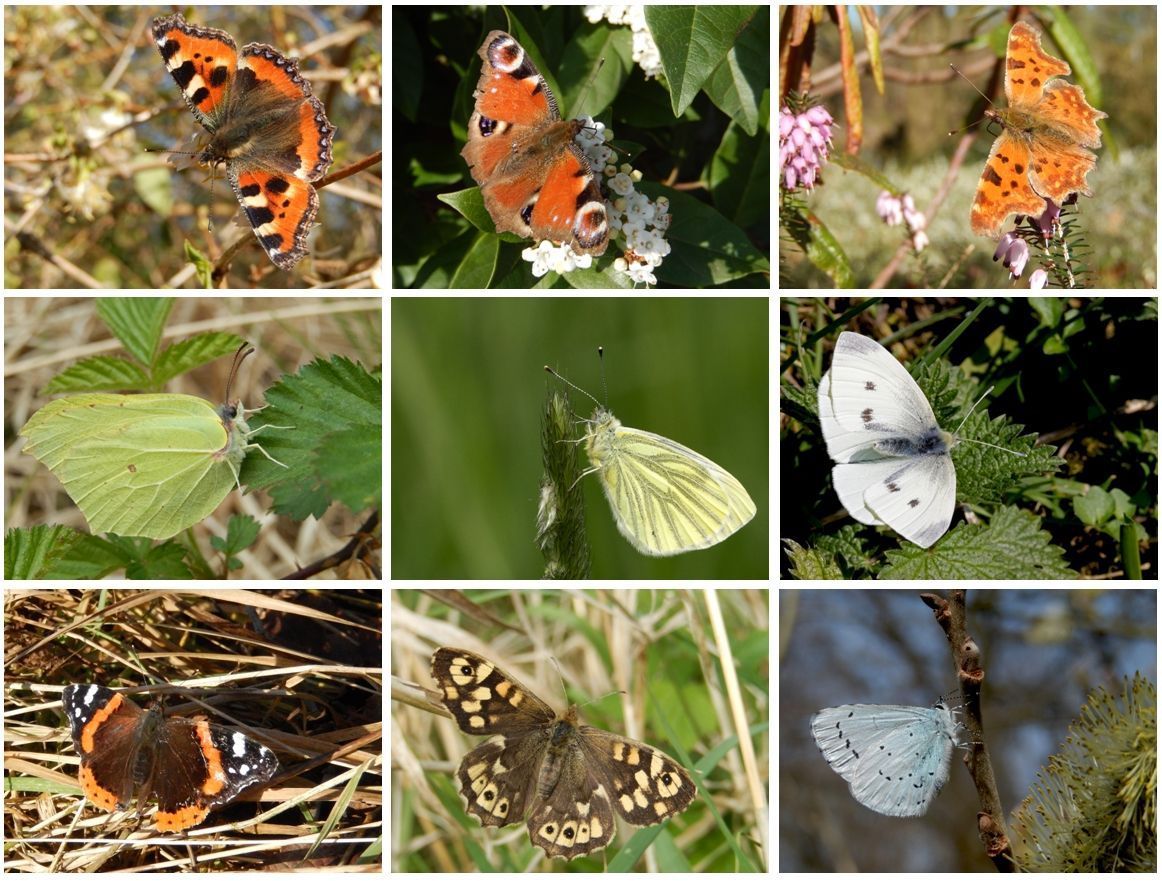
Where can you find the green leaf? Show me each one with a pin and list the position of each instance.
(193, 352)
(99, 374)
(325, 403)
(137, 321)
(1011, 546)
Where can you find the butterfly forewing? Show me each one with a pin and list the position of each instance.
(867, 397)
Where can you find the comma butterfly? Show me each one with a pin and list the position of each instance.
(1041, 153)
(535, 180)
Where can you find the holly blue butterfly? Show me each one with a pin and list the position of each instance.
(895, 759)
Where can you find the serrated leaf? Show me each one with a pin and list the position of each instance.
(809, 565)
(351, 468)
(324, 401)
(137, 322)
(193, 352)
(99, 374)
(1011, 546)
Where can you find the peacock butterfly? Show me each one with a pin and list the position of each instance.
(535, 179)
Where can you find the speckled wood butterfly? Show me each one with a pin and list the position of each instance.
(565, 779)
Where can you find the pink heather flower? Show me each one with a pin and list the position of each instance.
(803, 145)
(1048, 217)
(888, 208)
(1003, 246)
(1016, 257)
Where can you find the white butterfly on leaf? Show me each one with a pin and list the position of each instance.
(892, 460)
(895, 759)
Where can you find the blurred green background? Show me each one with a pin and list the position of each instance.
(468, 391)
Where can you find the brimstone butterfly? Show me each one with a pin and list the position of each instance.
(143, 465)
(666, 499)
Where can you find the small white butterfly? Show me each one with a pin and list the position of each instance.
(894, 759)
(892, 459)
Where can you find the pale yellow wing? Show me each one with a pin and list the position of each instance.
(138, 465)
(666, 498)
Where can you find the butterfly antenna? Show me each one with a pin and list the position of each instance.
(982, 94)
(970, 82)
(239, 357)
(577, 388)
(604, 388)
(983, 443)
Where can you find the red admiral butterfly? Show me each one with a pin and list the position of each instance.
(187, 765)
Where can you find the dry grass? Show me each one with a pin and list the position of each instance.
(639, 663)
(299, 672)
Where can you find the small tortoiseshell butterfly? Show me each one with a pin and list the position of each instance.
(535, 180)
(264, 123)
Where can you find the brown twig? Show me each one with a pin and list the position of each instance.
(952, 616)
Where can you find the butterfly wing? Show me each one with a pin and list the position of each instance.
(869, 398)
(484, 699)
(1003, 189)
(892, 463)
(894, 758)
(138, 465)
(1059, 165)
(666, 498)
(916, 497)
(1028, 67)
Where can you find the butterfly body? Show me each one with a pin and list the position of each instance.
(1041, 154)
(534, 178)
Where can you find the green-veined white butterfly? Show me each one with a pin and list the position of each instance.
(143, 465)
(666, 499)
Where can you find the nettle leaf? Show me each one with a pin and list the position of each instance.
(330, 417)
(1012, 545)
